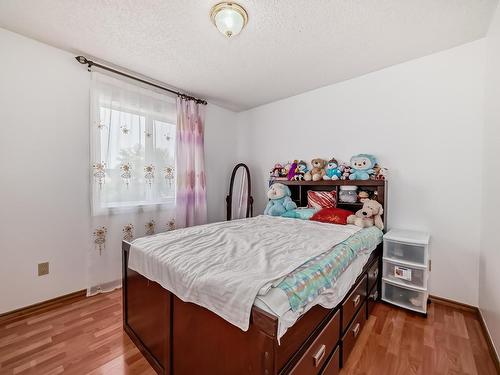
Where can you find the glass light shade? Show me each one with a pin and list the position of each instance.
(229, 18)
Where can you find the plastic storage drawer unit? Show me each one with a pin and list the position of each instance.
(406, 269)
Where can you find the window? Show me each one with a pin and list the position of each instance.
(133, 146)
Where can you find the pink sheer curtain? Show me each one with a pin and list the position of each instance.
(191, 195)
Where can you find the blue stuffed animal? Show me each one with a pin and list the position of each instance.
(362, 166)
(279, 200)
(332, 171)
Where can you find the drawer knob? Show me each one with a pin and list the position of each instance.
(319, 355)
(355, 330)
(356, 300)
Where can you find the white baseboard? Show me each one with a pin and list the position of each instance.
(491, 344)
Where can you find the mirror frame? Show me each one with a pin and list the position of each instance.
(229, 197)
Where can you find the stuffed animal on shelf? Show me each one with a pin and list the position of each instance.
(363, 196)
(369, 215)
(291, 171)
(345, 168)
(300, 171)
(362, 166)
(332, 171)
(275, 172)
(286, 169)
(382, 174)
(279, 200)
(318, 170)
(278, 172)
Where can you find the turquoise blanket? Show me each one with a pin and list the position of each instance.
(320, 273)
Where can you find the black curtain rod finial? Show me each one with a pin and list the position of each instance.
(84, 60)
(81, 59)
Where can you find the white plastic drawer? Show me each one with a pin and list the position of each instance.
(407, 298)
(404, 274)
(405, 252)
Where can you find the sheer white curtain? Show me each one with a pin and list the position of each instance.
(132, 149)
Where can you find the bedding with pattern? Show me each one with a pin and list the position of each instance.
(318, 274)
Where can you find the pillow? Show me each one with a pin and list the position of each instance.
(300, 213)
(332, 216)
(321, 199)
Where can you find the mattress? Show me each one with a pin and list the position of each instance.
(223, 266)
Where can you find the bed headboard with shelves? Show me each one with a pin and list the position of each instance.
(299, 191)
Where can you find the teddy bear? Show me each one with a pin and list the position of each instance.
(370, 214)
(300, 171)
(318, 170)
(279, 200)
(332, 171)
(362, 166)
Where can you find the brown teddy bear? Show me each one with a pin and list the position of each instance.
(368, 216)
(318, 170)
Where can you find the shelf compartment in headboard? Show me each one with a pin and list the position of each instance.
(299, 191)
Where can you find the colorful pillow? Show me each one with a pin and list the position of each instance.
(321, 199)
(300, 213)
(332, 216)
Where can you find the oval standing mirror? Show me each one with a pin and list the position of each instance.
(239, 201)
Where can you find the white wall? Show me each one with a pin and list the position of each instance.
(220, 158)
(44, 162)
(44, 169)
(489, 275)
(423, 119)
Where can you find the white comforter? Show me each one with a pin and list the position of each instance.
(222, 266)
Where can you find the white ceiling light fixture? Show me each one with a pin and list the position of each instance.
(229, 18)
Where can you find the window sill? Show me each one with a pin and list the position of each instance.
(128, 207)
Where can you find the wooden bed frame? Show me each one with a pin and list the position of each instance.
(184, 339)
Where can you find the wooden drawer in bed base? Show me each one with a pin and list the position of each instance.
(352, 333)
(332, 366)
(353, 302)
(320, 349)
(373, 297)
(299, 337)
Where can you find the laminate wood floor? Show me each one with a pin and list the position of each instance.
(85, 336)
(396, 342)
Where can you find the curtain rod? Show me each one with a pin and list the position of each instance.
(90, 63)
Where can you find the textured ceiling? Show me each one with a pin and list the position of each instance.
(288, 46)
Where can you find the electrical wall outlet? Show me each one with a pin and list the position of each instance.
(43, 269)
